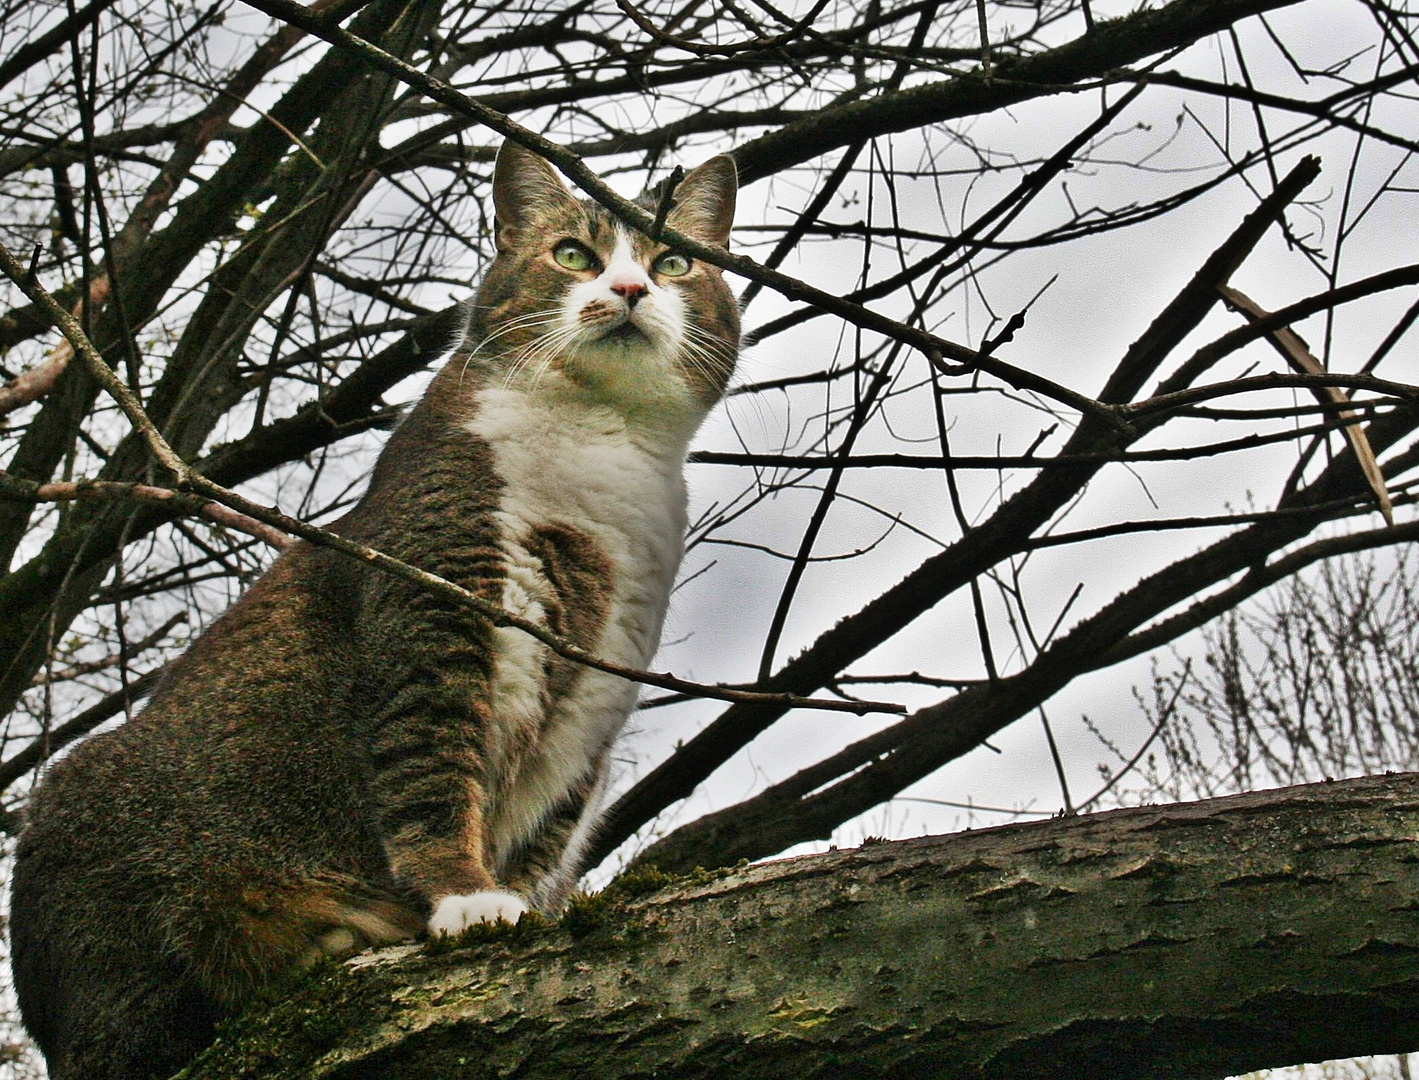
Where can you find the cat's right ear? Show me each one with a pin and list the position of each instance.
(525, 188)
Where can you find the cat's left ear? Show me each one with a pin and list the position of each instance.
(526, 189)
(704, 201)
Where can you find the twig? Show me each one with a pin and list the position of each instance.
(132, 649)
(984, 40)
(1162, 403)
(1014, 323)
(1157, 730)
(1290, 345)
(700, 48)
(971, 806)
(32, 273)
(15, 489)
(667, 200)
(1069, 808)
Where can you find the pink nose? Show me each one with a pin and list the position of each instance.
(631, 291)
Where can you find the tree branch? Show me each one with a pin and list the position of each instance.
(1185, 941)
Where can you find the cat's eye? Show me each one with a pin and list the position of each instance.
(672, 264)
(574, 255)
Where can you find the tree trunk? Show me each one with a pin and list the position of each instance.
(1188, 940)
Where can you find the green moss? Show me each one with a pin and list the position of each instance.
(285, 1028)
(587, 913)
(700, 876)
(640, 881)
(643, 880)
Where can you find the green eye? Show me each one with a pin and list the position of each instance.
(573, 255)
(672, 264)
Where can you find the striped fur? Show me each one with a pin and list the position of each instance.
(343, 759)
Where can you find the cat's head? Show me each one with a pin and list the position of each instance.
(575, 294)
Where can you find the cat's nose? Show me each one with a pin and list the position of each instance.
(630, 291)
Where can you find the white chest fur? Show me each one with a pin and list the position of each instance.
(568, 462)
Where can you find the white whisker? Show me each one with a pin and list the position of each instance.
(539, 317)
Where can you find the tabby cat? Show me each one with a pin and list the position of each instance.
(345, 760)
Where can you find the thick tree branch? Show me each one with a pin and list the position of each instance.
(1186, 941)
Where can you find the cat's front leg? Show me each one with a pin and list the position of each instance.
(454, 914)
(430, 793)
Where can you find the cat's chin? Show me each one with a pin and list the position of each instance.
(628, 334)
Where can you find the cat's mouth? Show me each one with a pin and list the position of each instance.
(627, 333)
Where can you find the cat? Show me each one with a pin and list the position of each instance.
(344, 760)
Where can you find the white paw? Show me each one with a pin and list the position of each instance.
(454, 914)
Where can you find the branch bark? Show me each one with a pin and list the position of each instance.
(1193, 940)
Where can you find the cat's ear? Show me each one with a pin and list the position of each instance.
(704, 201)
(525, 189)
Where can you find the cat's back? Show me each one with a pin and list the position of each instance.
(139, 823)
(201, 847)
(262, 700)
(141, 837)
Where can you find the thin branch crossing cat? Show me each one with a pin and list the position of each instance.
(343, 760)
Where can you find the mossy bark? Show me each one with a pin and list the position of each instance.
(1178, 941)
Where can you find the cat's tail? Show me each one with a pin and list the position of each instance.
(256, 934)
